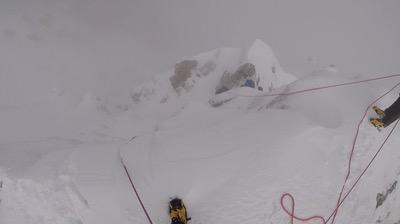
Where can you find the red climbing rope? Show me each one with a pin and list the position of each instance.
(292, 214)
(321, 87)
(133, 185)
(137, 194)
(340, 200)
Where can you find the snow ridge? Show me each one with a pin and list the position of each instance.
(201, 77)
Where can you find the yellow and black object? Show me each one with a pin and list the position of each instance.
(177, 212)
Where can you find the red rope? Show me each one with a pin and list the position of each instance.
(366, 168)
(136, 192)
(292, 214)
(340, 199)
(322, 87)
(133, 185)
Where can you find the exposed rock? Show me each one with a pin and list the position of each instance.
(136, 97)
(183, 71)
(141, 93)
(244, 71)
(381, 197)
(206, 69)
(229, 81)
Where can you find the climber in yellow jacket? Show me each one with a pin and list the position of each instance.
(177, 212)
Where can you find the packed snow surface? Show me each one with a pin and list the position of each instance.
(230, 161)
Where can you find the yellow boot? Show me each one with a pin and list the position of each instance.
(377, 122)
(379, 111)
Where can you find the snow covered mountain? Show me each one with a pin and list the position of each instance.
(202, 133)
(211, 73)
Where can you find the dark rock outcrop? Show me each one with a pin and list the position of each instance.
(183, 71)
(381, 197)
(229, 81)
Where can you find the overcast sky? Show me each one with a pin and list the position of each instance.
(97, 43)
(357, 36)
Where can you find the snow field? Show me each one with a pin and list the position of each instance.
(230, 163)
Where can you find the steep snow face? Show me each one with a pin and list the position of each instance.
(268, 69)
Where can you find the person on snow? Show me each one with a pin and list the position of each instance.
(388, 116)
(177, 212)
(249, 83)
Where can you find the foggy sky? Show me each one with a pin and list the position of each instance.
(113, 45)
(357, 36)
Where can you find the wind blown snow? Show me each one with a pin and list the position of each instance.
(204, 132)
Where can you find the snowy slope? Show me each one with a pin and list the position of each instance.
(267, 66)
(258, 148)
(207, 74)
(230, 163)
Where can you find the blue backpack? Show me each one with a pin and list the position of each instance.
(250, 83)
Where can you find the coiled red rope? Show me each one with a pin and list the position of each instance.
(340, 200)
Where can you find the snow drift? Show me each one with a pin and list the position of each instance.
(218, 71)
(229, 154)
